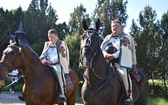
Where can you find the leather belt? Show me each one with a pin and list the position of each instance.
(54, 63)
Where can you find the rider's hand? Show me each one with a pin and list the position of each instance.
(46, 62)
(109, 57)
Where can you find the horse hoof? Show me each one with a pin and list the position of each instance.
(21, 98)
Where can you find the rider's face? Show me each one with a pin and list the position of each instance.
(116, 28)
(52, 37)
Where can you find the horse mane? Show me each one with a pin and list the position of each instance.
(29, 51)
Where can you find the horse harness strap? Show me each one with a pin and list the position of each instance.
(10, 66)
(92, 93)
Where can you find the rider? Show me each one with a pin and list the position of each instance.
(56, 54)
(125, 52)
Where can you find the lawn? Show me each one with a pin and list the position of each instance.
(157, 101)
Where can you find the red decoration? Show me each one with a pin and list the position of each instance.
(129, 91)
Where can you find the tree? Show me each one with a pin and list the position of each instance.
(151, 46)
(73, 43)
(38, 19)
(75, 23)
(108, 10)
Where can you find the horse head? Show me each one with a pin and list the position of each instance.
(90, 44)
(10, 58)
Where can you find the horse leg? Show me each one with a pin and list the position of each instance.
(71, 99)
(143, 96)
(142, 99)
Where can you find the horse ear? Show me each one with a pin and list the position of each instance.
(97, 24)
(17, 40)
(85, 27)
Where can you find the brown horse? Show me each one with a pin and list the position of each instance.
(40, 87)
(103, 86)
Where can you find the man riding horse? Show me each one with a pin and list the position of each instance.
(56, 54)
(119, 48)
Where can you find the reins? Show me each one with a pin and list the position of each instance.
(94, 54)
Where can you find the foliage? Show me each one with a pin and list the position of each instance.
(151, 48)
(157, 101)
(73, 43)
(75, 23)
(108, 10)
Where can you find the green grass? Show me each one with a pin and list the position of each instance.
(157, 82)
(79, 99)
(157, 101)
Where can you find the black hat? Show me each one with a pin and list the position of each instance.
(110, 49)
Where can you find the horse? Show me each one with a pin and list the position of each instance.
(40, 87)
(103, 86)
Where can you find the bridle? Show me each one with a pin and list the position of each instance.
(89, 34)
(9, 66)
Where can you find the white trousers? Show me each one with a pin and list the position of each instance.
(61, 77)
(126, 79)
(64, 63)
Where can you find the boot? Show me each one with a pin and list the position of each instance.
(127, 101)
(60, 75)
(21, 98)
(62, 98)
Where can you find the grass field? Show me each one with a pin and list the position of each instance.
(157, 101)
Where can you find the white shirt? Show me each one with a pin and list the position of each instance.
(52, 54)
(15, 73)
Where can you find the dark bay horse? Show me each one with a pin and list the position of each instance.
(40, 86)
(102, 85)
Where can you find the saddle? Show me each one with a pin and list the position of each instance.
(68, 81)
(135, 76)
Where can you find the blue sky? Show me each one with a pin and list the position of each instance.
(65, 7)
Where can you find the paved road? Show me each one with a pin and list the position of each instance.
(7, 98)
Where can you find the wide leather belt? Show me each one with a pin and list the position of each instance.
(54, 63)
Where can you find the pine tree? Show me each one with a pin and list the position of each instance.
(75, 23)
(108, 10)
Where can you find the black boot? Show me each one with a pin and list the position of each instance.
(21, 98)
(62, 98)
(127, 101)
